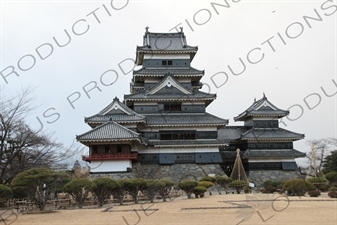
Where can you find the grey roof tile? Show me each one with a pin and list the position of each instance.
(117, 118)
(165, 42)
(262, 107)
(270, 134)
(164, 71)
(264, 154)
(231, 133)
(187, 143)
(115, 111)
(273, 153)
(196, 95)
(110, 131)
(184, 119)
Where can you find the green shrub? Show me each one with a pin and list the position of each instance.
(199, 190)
(297, 187)
(333, 189)
(247, 190)
(318, 181)
(206, 184)
(271, 183)
(152, 188)
(324, 187)
(5, 192)
(223, 182)
(270, 189)
(79, 189)
(210, 179)
(333, 194)
(188, 186)
(165, 191)
(120, 191)
(238, 185)
(102, 189)
(314, 193)
(134, 186)
(332, 177)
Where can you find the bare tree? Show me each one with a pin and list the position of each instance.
(21, 147)
(315, 158)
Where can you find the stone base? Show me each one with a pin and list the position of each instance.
(258, 177)
(115, 176)
(176, 172)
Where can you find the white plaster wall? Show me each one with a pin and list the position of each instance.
(110, 166)
(166, 56)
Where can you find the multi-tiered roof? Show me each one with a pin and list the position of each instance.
(261, 137)
(165, 109)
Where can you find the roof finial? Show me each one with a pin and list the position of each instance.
(181, 29)
(147, 29)
(254, 99)
(264, 96)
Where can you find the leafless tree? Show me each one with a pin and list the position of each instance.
(21, 147)
(315, 157)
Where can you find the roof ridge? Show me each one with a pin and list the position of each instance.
(108, 108)
(96, 129)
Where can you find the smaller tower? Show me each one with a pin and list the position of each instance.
(267, 149)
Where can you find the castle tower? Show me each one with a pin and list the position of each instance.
(267, 149)
(163, 121)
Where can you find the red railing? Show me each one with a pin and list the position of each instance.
(108, 156)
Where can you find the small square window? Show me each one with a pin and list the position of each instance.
(169, 62)
(163, 63)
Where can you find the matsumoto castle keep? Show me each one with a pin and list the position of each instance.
(162, 128)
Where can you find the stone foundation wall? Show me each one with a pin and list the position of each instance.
(115, 176)
(258, 177)
(174, 172)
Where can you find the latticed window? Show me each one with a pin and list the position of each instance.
(172, 107)
(177, 135)
(166, 62)
(190, 136)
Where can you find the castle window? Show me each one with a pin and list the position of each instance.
(119, 149)
(107, 149)
(94, 150)
(177, 135)
(172, 107)
(166, 62)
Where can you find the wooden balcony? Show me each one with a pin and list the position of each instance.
(109, 156)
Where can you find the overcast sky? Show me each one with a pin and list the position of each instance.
(288, 56)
